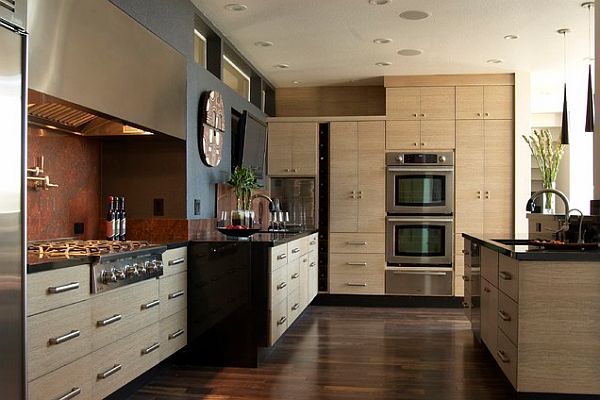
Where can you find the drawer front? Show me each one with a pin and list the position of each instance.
(508, 276)
(313, 242)
(119, 312)
(357, 243)
(304, 261)
(293, 275)
(295, 306)
(489, 265)
(313, 275)
(467, 304)
(173, 334)
(175, 261)
(297, 248)
(56, 288)
(508, 317)
(124, 360)
(173, 294)
(278, 321)
(279, 285)
(58, 337)
(279, 255)
(506, 356)
(74, 378)
(357, 274)
(459, 283)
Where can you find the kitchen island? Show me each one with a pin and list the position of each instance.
(537, 311)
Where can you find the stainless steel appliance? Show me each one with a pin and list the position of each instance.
(418, 281)
(13, 100)
(420, 183)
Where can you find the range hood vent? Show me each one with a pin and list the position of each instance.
(93, 70)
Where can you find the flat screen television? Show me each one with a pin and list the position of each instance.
(249, 145)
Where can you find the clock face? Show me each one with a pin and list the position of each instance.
(211, 128)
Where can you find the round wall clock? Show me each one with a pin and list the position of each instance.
(211, 127)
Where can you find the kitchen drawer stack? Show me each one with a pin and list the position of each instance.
(87, 346)
(293, 281)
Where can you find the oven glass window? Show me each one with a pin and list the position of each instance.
(420, 240)
(420, 190)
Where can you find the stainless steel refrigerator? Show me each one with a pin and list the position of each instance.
(13, 93)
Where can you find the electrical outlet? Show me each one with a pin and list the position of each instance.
(78, 228)
(196, 206)
(159, 207)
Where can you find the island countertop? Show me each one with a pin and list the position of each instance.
(268, 239)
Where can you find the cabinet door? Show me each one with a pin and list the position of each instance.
(279, 148)
(437, 103)
(499, 171)
(402, 135)
(469, 102)
(304, 150)
(498, 102)
(489, 316)
(371, 176)
(469, 176)
(439, 135)
(402, 103)
(343, 174)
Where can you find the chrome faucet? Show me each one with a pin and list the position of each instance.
(273, 203)
(563, 197)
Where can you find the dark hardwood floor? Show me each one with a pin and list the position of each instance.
(353, 353)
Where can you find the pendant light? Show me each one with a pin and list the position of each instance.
(564, 131)
(589, 115)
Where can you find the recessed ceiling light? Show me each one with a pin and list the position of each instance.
(296, 82)
(383, 64)
(414, 15)
(511, 37)
(281, 66)
(382, 40)
(379, 2)
(263, 43)
(236, 7)
(494, 61)
(588, 59)
(409, 52)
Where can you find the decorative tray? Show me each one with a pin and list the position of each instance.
(557, 245)
(243, 232)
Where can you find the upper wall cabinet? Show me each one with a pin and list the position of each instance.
(420, 103)
(292, 149)
(485, 102)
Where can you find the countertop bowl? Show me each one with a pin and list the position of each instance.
(238, 232)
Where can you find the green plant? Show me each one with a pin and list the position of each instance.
(243, 179)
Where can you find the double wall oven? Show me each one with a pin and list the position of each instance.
(419, 223)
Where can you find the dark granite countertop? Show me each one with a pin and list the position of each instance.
(37, 263)
(533, 253)
(269, 239)
(175, 245)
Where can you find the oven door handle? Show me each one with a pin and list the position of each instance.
(424, 220)
(423, 169)
(420, 270)
(436, 273)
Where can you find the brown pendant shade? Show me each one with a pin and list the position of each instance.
(589, 115)
(564, 131)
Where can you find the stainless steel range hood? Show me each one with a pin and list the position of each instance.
(93, 70)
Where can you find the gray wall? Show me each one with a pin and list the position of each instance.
(173, 21)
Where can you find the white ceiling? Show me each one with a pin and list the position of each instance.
(330, 42)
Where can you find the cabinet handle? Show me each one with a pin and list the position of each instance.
(465, 252)
(479, 114)
(505, 275)
(422, 114)
(74, 392)
(312, 264)
(176, 294)
(305, 260)
(503, 356)
(281, 320)
(479, 194)
(487, 194)
(112, 371)
(108, 321)
(63, 288)
(281, 285)
(465, 304)
(361, 243)
(487, 114)
(64, 338)
(465, 278)
(295, 250)
(295, 307)
(287, 170)
(281, 256)
(296, 275)
(153, 303)
(422, 143)
(312, 243)
(414, 115)
(176, 334)
(150, 349)
(176, 261)
(358, 264)
(415, 144)
(487, 290)
(503, 315)
(294, 169)
(356, 284)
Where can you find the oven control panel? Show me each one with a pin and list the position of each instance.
(424, 158)
(111, 274)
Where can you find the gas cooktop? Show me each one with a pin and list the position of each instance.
(70, 248)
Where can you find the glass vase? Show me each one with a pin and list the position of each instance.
(549, 199)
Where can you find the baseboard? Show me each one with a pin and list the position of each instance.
(362, 300)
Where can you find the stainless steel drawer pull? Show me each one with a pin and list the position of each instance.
(361, 243)
(110, 372)
(176, 334)
(356, 284)
(295, 275)
(63, 288)
(312, 264)
(108, 321)
(74, 392)
(153, 303)
(358, 264)
(503, 356)
(176, 294)
(150, 349)
(505, 275)
(295, 250)
(503, 315)
(295, 307)
(177, 261)
(64, 338)
(281, 320)
(281, 256)
(281, 285)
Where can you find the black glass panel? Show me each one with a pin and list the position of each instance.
(421, 190)
(420, 240)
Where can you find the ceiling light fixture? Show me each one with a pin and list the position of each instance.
(589, 115)
(494, 61)
(296, 82)
(410, 52)
(379, 2)
(511, 37)
(236, 7)
(263, 43)
(281, 66)
(383, 64)
(564, 129)
(414, 15)
(382, 40)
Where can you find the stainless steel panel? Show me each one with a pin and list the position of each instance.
(12, 302)
(390, 239)
(418, 281)
(90, 53)
(14, 12)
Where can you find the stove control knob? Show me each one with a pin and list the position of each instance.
(120, 273)
(131, 271)
(159, 264)
(108, 276)
(399, 158)
(151, 266)
(142, 268)
(442, 159)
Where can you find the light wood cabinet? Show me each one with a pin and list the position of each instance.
(56, 288)
(424, 135)
(420, 103)
(485, 102)
(292, 149)
(489, 315)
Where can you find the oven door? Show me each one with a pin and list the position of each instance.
(423, 190)
(419, 240)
